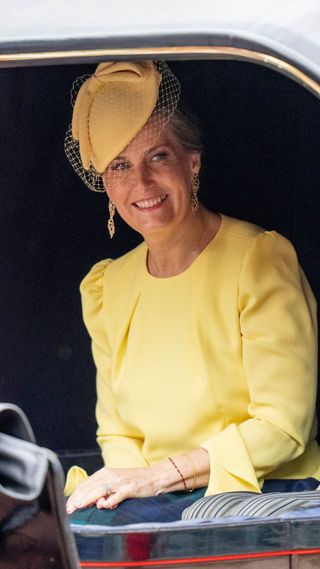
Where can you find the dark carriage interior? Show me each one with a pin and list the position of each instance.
(261, 163)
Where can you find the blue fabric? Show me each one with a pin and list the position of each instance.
(169, 507)
(290, 485)
(162, 508)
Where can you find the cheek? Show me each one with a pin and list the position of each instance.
(123, 206)
(183, 186)
(177, 178)
(118, 194)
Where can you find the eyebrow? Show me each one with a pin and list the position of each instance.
(120, 157)
(123, 157)
(157, 146)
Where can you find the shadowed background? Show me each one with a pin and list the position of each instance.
(261, 163)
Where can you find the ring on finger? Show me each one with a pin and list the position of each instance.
(107, 489)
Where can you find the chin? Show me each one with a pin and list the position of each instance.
(152, 226)
(151, 229)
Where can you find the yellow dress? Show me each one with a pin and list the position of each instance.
(221, 356)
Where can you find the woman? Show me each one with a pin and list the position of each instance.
(204, 336)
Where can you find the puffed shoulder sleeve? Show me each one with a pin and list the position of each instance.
(277, 312)
(91, 290)
(120, 446)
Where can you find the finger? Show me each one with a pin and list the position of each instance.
(85, 497)
(104, 504)
(114, 499)
(94, 481)
(100, 503)
(71, 507)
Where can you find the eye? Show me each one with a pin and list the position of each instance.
(119, 166)
(159, 156)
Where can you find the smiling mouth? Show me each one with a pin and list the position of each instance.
(147, 204)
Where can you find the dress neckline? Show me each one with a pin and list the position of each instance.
(210, 244)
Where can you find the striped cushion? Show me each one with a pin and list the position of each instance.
(250, 504)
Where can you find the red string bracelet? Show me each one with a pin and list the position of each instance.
(180, 473)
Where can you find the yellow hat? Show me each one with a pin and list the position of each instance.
(111, 107)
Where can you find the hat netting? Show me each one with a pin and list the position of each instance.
(168, 97)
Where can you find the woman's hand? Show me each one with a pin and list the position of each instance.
(109, 486)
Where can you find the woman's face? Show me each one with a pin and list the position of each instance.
(150, 184)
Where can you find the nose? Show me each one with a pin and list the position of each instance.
(141, 177)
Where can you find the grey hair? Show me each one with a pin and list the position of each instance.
(186, 130)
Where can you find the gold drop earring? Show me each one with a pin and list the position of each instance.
(111, 226)
(194, 194)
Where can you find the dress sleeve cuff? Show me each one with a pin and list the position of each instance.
(75, 476)
(230, 467)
